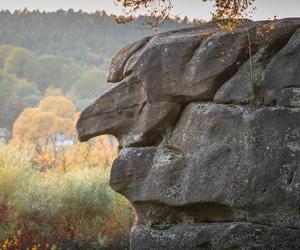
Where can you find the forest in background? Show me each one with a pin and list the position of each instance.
(60, 53)
(89, 38)
(54, 191)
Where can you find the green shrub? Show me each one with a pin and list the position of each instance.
(71, 210)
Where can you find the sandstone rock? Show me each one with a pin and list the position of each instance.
(146, 131)
(244, 86)
(215, 236)
(113, 113)
(284, 73)
(208, 122)
(116, 73)
(207, 59)
(195, 64)
(244, 160)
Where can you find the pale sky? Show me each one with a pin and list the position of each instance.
(191, 8)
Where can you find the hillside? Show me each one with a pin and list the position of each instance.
(60, 53)
(91, 38)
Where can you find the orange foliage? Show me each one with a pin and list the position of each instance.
(59, 105)
(50, 129)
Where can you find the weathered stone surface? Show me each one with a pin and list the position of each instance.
(246, 160)
(149, 131)
(124, 112)
(207, 55)
(116, 73)
(208, 122)
(243, 87)
(283, 73)
(196, 64)
(113, 113)
(214, 236)
(238, 89)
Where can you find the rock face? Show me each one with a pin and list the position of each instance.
(208, 122)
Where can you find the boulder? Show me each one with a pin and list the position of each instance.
(246, 161)
(208, 122)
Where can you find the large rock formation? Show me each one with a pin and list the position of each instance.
(208, 122)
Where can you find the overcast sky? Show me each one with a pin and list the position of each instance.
(191, 8)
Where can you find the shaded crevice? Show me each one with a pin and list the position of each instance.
(291, 176)
(127, 73)
(276, 46)
(206, 212)
(291, 87)
(157, 135)
(162, 216)
(193, 51)
(142, 107)
(272, 103)
(160, 137)
(205, 245)
(223, 77)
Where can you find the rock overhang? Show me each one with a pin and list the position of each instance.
(195, 65)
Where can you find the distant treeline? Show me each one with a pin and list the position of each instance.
(26, 77)
(60, 53)
(90, 38)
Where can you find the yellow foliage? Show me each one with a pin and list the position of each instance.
(59, 105)
(41, 127)
(22, 127)
(101, 149)
(64, 126)
(55, 114)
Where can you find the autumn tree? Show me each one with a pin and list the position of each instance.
(39, 127)
(160, 9)
(50, 130)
